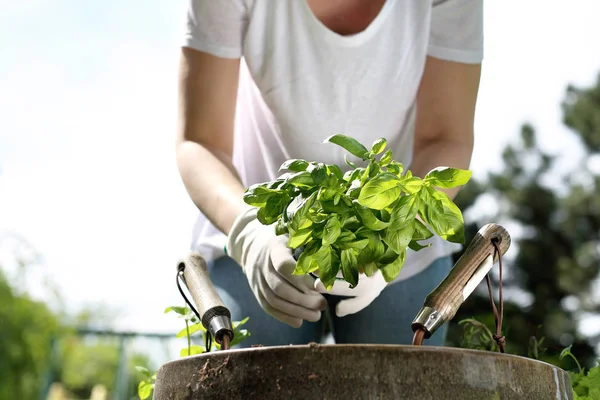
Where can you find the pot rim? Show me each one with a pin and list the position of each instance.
(406, 348)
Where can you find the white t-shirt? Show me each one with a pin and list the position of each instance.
(301, 82)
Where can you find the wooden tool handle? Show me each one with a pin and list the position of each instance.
(204, 294)
(450, 295)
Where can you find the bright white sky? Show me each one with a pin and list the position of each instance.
(87, 117)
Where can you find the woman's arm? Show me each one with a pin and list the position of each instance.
(445, 117)
(204, 146)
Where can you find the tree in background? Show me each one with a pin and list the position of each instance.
(554, 219)
(28, 328)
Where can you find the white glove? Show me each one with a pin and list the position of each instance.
(367, 290)
(268, 264)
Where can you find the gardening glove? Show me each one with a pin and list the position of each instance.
(268, 264)
(367, 290)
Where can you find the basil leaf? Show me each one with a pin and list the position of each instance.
(349, 144)
(300, 237)
(415, 246)
(258, 195)
(444, 177)
(307, 262)
(317, 217)
(335, 170)
(302, 179)
(421, 231)
(444, 217)
(281, 227)
(371, 172)
(332, 230)
(354, 189)
(380, 192)
(378, 146)
(350, 266)
(404, 211)
(329, 265)
(345, 237)
(411, 184)
(340, 208)
(273, 209)
(368, 218)
(300, 217)
(355, 244)
(386, 158)
(398, 239)
(370, 268)
(294, 165)
(373, 250)
(319, 173)
(390, 271)
(350, 163)
(389, 256)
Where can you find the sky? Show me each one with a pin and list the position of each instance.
(88, 114)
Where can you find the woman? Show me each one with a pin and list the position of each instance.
(263, 81)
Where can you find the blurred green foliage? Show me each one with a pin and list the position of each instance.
(553, 215)
(39, 346)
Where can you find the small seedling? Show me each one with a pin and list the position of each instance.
(192, 326)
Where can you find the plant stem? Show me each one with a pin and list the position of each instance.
(187, 328)
(576, 362)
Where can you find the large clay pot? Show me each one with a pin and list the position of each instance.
(360, 372)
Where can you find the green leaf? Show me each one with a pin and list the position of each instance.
(373, 250)
(299, 238)
(421, 231)
(193, 350)
(300, 216)
(380, 192)
(340, 208)
(350, 163)
(444, 177)
(177, 309)
(370, 172)
(412, 184)
(336, 171)
(378, 146)
(302, 179)
(193, 329)
(368, 218)
(391, 270)
(386, 158)
(370, 268)
(145, 389)
(274, 208)
(144, 371)
(398, 239)
(258, 196)
(443, 216)
(404, 211)
(294, 165)
(332, 230)
(350, 266)
(349, 144)
(354, 189)
(329, 265)
(307, 262)
(356, 244)
(281, 227)
(319, 173)
(415, 246)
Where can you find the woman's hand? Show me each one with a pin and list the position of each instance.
(268, 264)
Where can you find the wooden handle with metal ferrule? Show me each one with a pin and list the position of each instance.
(215, 316)
(443, 302)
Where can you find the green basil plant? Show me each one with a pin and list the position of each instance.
(362, 220)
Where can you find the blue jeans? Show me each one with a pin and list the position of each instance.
(386, 320)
